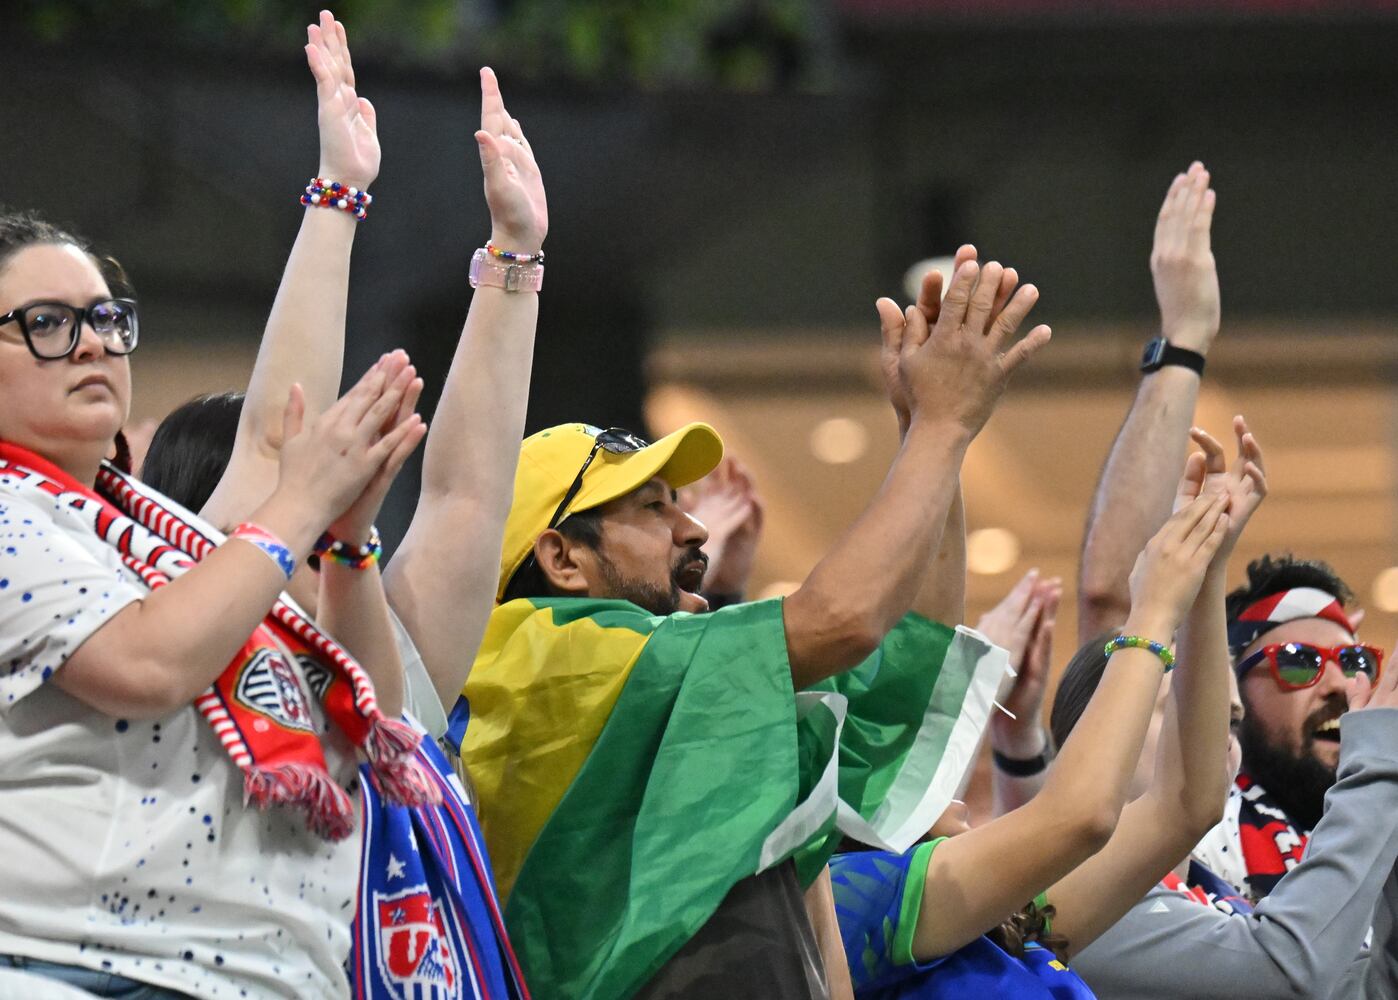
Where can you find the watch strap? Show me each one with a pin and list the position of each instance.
(512, 277)
(1160, 352)
(1016, 767)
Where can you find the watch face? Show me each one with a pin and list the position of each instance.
(1155, 350)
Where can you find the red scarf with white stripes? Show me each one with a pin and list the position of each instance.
(257, 706)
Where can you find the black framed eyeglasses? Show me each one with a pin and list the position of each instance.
(52, 330)
(614, 440)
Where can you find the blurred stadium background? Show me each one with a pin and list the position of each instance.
(733, 182)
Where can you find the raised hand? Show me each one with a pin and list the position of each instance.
(1182, 262)
(330, 462)
(893, 323)
(956, 370)
(349, 139)
(514, 188)
(1171, 568)
(400, 378)
(727, 504)
(1363, 693)
(1244, 482)
(1023, 624)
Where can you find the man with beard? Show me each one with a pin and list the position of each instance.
(1290, 734)
(657, 784)
(1294, 650)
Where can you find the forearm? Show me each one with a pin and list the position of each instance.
(976, 878)
(868, 580)
(942, 596)
(160, 653)
(1010, 791)
(354, 610)
(1302, 937)
(442, 580)
(1133, 495)
(1190, 775)
(1093, 769)
(304, 342)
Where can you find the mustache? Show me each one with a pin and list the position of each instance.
(686, 561)
(1332, 709)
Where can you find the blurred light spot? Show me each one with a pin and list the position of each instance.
(1386, 589)
(912, 278)
(991, 550)
(839, 440)
(782, 588)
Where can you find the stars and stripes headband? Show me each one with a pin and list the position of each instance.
(1279, 608)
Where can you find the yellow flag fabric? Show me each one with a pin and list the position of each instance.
(536, 712)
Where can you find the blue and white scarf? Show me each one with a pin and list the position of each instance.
(428, 926)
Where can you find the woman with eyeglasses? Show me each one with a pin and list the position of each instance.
(178, 739)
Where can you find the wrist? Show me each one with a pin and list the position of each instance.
(291, 519)
(1021, 739)
(516, 242)
(349, 178)
(1191, 338)
(353, 531)
(944, 430)
(1151, 625)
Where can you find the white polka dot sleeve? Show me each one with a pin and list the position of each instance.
(59, 584)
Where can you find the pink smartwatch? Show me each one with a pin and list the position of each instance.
(486, 270)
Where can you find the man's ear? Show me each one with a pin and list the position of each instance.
(564, 563)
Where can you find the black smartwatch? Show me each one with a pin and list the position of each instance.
(1160, 352)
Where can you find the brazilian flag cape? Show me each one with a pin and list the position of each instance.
(630, 769)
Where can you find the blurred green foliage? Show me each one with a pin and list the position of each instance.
(738, 44)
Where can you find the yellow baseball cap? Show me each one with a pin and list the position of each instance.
(549, 465)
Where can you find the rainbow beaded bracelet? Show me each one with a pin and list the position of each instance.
(321, 193)
(1141, 642)
(354, 556)
(512, 257)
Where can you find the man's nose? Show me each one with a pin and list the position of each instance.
(689, 532)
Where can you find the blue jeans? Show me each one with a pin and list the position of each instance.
(101, 984)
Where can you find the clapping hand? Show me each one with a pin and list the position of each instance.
(726, 503)
(349, 140)
(1244, 482)
(345, 459)
(1023, 624)
(893, 322)
(954, 371)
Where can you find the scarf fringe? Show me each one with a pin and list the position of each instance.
(329, 811)
(390, 740)
(268, 786)
(405, 783)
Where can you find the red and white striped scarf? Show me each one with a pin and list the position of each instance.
(257, 706)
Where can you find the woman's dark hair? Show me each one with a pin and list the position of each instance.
(1030, 924)
(192, 447)
(1268, 576)
(19, 230)
(26, 229)
(584, 527)
(1076, 687)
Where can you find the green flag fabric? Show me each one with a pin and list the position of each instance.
(705, 768)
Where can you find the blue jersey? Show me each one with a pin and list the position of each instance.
(877, 898)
